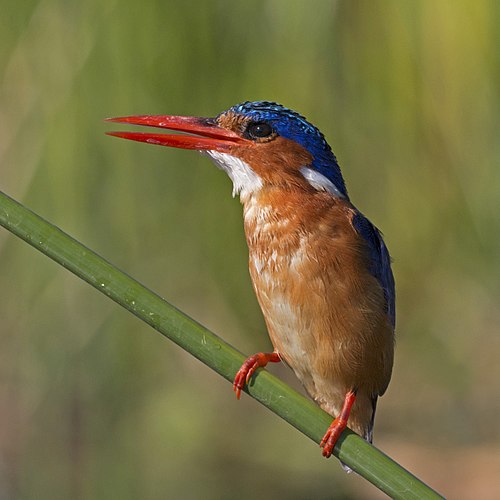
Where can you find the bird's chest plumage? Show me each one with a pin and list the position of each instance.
(278, 267)
(321, 306)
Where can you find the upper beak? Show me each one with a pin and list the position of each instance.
(208, 135)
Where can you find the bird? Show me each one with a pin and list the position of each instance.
(319, 268)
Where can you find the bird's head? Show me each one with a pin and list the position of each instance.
(259, 144)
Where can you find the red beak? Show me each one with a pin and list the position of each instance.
(208, 135)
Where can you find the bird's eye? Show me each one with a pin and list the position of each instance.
(259, 130)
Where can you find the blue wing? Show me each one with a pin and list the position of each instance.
(380, 261)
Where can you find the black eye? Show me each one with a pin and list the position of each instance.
(259, 130)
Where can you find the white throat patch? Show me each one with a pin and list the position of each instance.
(245, 180)
(320, 182)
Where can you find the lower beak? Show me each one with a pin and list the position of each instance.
(207, 134)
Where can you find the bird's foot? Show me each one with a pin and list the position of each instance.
(249, 366)
(337, 426)
(332, 435)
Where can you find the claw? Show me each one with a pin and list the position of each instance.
(249, 367)
(332, 435)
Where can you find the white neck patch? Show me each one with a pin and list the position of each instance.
(320, 182)
(245, 180)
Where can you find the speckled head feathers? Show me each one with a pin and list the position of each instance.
(291, 125)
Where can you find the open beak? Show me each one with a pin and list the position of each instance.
(207, 134)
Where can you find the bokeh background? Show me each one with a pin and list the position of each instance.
(94, 404)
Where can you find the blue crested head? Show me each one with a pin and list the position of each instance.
(291, 125)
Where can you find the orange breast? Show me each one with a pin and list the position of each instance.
(324, 311)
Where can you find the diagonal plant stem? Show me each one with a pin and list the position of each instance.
(297, 410)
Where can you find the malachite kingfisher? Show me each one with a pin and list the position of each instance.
(320, 269)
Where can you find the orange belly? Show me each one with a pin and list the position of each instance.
(324, 311)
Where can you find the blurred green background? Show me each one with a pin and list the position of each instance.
(94, 404)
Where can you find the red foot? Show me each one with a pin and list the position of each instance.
(332, 435)
(249, 366)
(337, 426)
